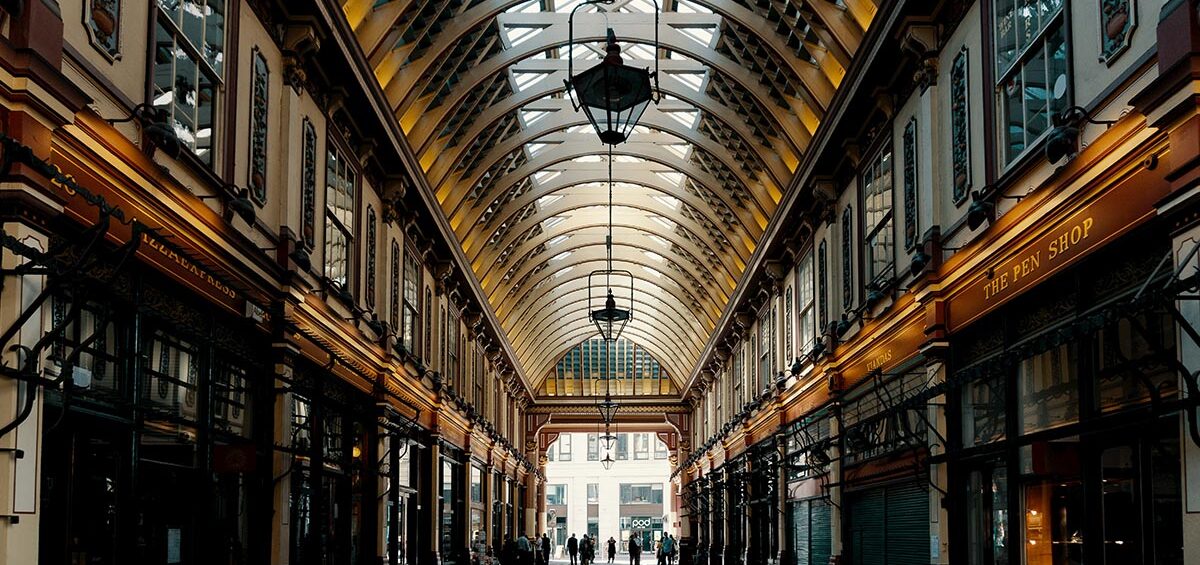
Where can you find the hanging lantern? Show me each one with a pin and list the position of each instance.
(608, 409)
(608, 461)
(612, 94)
(609, 316)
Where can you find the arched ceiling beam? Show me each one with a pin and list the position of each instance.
(597, 195)
(592, 256)
(595, 173)
(375, 28)
(764, 187)
(642, 226)
(691, 264)
(642, 202)
(529, 313)
(563, 147)
(794, 138)
(780, 160)
(404, 94)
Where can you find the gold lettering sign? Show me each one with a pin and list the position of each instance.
(1115, 210)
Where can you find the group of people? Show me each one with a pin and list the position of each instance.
(523, 551)
(583, 551)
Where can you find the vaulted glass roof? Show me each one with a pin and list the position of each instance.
(478, 88)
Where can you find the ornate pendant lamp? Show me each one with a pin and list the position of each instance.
(612, 94)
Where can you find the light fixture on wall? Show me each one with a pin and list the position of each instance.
(1063, 140)
(612, 94)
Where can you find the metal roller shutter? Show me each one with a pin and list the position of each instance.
(889, 525)
(907, 524)
(801, 532)
(821, 537)
(865, 535)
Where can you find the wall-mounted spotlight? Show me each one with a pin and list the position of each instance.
(980, 210)
(918, 262)
(155, 124)
(237, 200)
(1063, 140)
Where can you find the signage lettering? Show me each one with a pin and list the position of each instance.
(1070, 237)
(878, 360)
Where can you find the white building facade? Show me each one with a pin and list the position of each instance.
(634, 496)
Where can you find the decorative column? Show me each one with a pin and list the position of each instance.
(430, 499)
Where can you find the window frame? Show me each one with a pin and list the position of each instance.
(870, 232)
(808, 308)
(1000, 78)
(160, 18)
(410, 310)
(336, 146)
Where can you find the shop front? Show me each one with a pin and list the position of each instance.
(156, 449)
(1068, 418)
(808, 452)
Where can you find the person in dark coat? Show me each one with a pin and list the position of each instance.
(612, 549)
(573, 549)
(508, 552)
(635, 550)
(545, 548)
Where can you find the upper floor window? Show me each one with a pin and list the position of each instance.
(564, 447)
(766, 338)
(660, 449)
(593, 447)
(412, 282)
(189, 63)
(593, 493)
(877, 214)
(641, 446)
(340, 183)
(556, 495)
(1031, 70)
(805, 300)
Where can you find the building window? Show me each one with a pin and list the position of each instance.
(593, 493)
(371, 252)
(641, 446)
(660, 448)
(1031, 71)
(877, 214)
(556, 495)
(308, 187)
(394, 317)
(428, 325)
(259, 98)
(412, 282)
(189, 63)
(622, 447)
(1048, 389)
(452, 351)
(564, 447)
(738, 377)
(644, 493)
(476, 484)
(910, 185)
(593, 447)
(804, 282)
(960, 127)
(340, 179)
(765, 325)
(847, 259)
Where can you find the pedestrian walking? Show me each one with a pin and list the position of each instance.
(573, 549)
(635, 550)
(612, 549)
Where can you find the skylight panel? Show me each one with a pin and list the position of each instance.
(583, 128)
(688, 118)
(551, 222)
(702, 35)
(660, 240)
(639, 52)
(655, 256)
(641, 6)
(532, 6)
(561, 256)
(693, 80)
(664, 222)
(679, 149)
(525, 80)
(686, 7)
(671, 177)
(541, 177)
(535, 148)
(548, 200)
(518, 34)
(557, 240)
(626, 159)
(588, 159)
(563, 271)
(652, 271)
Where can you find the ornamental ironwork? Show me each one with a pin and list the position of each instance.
(847, 257)
(308, 187)
(960, 128)
(910, 184)
(823, 284)
(258, 128)
(370, 282)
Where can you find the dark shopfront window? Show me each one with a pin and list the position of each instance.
(178, 488)
(1077, 469)
(332, 505)
(451, 501)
